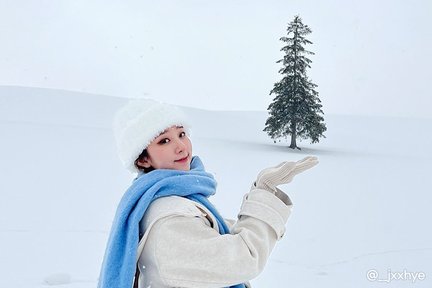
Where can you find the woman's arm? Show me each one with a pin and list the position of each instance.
(189, 253)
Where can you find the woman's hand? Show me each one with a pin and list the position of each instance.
(283, 173)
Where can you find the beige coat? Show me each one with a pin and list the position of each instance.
(182, 247)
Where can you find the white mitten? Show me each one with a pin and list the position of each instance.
(283, 173)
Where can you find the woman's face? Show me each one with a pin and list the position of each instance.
(170, 150)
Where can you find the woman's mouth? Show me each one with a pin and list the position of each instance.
(182, 160)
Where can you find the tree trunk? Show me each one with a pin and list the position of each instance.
(293, 136)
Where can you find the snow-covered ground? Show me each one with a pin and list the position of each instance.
(365, 206)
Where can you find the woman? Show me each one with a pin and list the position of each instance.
(166, 233)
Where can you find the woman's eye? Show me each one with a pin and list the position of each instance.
(182, 134)
(164, 141)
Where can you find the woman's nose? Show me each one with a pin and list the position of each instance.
(180, 146)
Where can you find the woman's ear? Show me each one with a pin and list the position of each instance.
(144, 162)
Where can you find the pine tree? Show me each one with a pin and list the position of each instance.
(296, 109)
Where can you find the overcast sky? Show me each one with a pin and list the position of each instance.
(372, 57)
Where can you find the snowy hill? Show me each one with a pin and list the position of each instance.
(365, 206)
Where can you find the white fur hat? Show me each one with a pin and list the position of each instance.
(139, 122)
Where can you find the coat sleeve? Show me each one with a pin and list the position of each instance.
(230, 223)
(189, 253)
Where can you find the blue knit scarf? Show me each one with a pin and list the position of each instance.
(119, 265)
